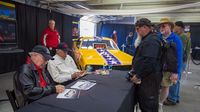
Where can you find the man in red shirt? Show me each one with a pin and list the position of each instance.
(51, 37)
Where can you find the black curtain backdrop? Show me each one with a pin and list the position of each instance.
(31, 21)
(195, 35)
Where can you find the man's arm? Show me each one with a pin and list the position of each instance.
(56, 75)
(146, 67)
(30, 90)
(149, 59)
(188, 46)
(72, 62)
(179, 49)
(58, 38)
(44, 37)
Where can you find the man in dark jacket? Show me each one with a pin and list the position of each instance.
(31, 81)
(146, 67)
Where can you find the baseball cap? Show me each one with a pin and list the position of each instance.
(180, 24)
(43, 51)
(142, 22)
(63, 46)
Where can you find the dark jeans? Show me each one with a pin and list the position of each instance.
(147, 93)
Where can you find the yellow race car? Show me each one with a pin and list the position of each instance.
(95, 53)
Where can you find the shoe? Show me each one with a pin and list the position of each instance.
(169, 103)
(176, 101)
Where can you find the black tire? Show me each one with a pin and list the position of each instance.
(195, 57)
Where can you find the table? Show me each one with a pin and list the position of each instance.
(112, 93)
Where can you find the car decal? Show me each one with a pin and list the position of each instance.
(110, 59)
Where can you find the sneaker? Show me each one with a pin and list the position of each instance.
(169, 103)
(177, 102)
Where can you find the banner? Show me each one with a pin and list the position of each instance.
(7, 11)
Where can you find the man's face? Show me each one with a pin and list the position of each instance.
(141, 31)
(177, 29)
(52, 24)
(165, 29)
(62, 54)
(38, 59)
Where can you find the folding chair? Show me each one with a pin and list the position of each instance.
(12, 99)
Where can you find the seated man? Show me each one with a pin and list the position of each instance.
(63, 68)
(31, 81)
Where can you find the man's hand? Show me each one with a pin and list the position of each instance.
(78, 74)
(60, 88)
(135, 80)
(77, 55)
(174, 78)
(82, 73)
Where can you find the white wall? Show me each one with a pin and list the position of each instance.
(87, 28)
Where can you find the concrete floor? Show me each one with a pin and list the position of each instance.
(190, 94)
(5, 83)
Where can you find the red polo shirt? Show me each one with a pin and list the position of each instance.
(50, 38)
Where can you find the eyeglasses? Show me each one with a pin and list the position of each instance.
(40, 55)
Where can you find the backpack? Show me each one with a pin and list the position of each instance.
(169, 59)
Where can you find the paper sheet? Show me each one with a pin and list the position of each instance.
(83, 85)
(69, 94)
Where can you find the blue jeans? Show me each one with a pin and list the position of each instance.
(174, 92)
(184, 67)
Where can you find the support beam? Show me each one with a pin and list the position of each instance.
(114, 2)
(66, 0)
(129, 12)
(130, 7)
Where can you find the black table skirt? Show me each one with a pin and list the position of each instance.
(112, 93)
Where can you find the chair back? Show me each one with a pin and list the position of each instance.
(12, 99)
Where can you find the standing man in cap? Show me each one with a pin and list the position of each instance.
(166, 29)
(31, 81)
(179, 29)
(146, 74)
(63, 67)
(51, 37)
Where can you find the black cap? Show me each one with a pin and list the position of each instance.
(142, 22)
(180, 24)
(63, 46)
(44, 51)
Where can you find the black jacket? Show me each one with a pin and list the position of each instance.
(27, 85)
(146, 60)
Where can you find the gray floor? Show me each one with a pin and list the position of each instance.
(5, 83)
(190, 94)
